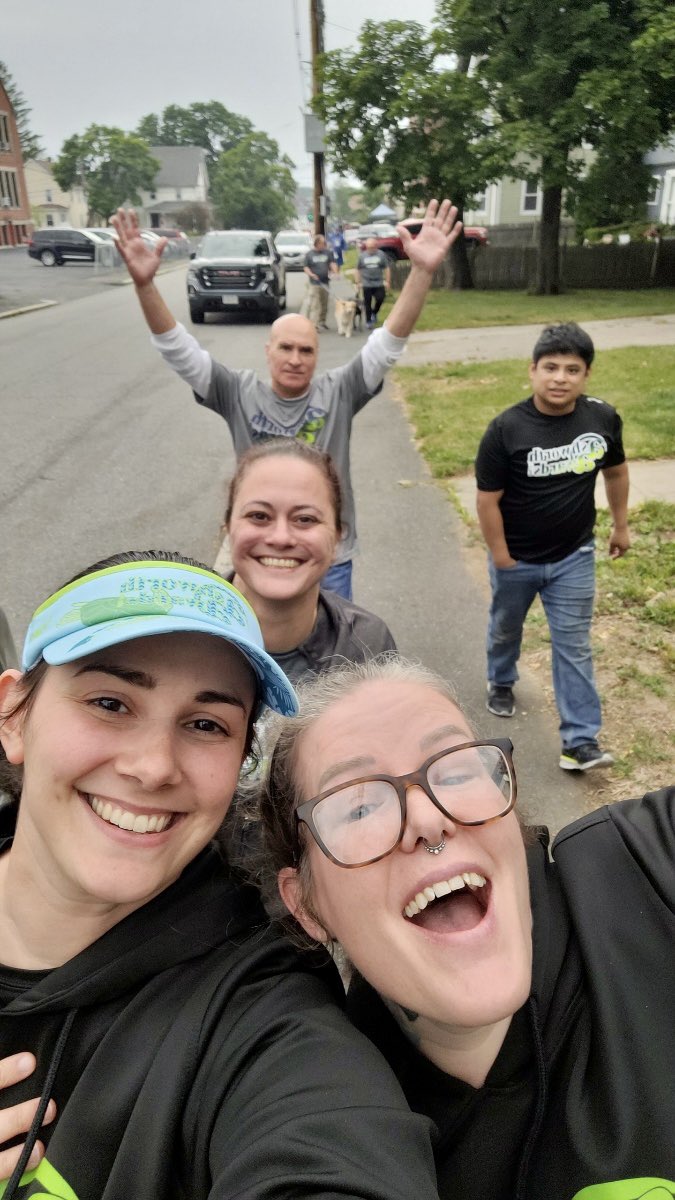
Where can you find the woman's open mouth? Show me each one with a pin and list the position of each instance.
(451, 905)
(123, 818)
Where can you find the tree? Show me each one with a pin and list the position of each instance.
(112, 166)
(31, 146)
(252, 186)
(397, 114)
(194, 217)
(613, 192)
(561, 77)
(209, 125)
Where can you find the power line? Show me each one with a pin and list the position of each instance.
(298, 49)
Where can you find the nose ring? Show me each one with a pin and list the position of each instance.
(434, 849)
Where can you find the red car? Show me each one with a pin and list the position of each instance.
(390, 243)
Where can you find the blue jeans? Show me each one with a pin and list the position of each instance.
(338, 578)
(567, 590)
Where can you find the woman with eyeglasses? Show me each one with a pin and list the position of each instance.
(525, 1003)
(179, 1049)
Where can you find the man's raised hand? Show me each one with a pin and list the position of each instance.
(440, 228)
(142, 260)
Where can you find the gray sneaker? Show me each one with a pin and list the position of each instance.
(500, 700)
(584, 757)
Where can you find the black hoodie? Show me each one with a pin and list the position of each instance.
(205, 1060)
(582, 1093)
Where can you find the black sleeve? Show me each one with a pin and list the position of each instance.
(296, 1103)
(615, 451)
(647, 827)
(492, 464)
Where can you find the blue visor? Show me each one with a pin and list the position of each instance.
(140, 599)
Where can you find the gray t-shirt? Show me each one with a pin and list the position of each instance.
(319, 262)
(323, 417)
(371, 267)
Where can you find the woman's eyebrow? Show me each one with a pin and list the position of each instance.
(126, 674)
(211, 697)
(348, 764)
(431, 739)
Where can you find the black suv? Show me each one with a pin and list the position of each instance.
(53, 246)
(236, 270)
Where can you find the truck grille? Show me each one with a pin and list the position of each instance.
(221, 278)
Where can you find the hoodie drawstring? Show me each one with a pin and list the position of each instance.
(39, 1117)
(540, 1107)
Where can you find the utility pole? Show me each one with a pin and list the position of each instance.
(316, 19)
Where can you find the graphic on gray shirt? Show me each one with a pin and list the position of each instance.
(371, 267)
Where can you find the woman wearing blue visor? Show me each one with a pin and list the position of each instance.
(182, 1047)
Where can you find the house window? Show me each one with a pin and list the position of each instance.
(50, 220)
(178, 195)
(153, 195)
(531, 197)
(478, 205)
(4, 132)
(653, 197)
(48, 195)
(9, 192)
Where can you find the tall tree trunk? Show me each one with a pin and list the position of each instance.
(462, 275)
(548, 258)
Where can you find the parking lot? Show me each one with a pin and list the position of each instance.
(24, 281)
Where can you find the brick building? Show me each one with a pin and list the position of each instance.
(15, 216)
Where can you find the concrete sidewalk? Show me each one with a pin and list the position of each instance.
(648, 481)
(516, 341)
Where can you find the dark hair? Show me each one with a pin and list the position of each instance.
(286, 447)
(567, 338)
(11, 776)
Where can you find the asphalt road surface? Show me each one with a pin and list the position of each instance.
(103, 449)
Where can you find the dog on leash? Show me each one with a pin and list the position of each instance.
(345, 317)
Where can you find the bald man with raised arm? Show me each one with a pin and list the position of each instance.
(296, 402)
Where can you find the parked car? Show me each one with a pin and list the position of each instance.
(54, 246)
(174, 235)
(236, 270)
(293, 245)
(390, 243)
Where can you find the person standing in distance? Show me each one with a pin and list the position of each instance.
(319, 266)
(295, 403)
(373, 274)
(536, 470)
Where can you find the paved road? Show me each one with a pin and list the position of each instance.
(103, 449)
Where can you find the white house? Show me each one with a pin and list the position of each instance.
(48, 203)
(182, 179)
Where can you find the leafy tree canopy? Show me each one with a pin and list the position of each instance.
(558, 77)
(252, 186)
(31, 146)
(209, 125)
(112, 166)
(397, 115)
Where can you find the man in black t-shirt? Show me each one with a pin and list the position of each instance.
(536, 469)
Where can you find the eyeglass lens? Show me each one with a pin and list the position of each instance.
(362, 821)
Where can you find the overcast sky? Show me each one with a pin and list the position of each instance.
(78, 63)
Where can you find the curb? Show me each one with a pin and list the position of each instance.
(127, 280)
(16, 312)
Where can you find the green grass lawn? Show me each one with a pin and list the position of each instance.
(469, 310)
(451, 404)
